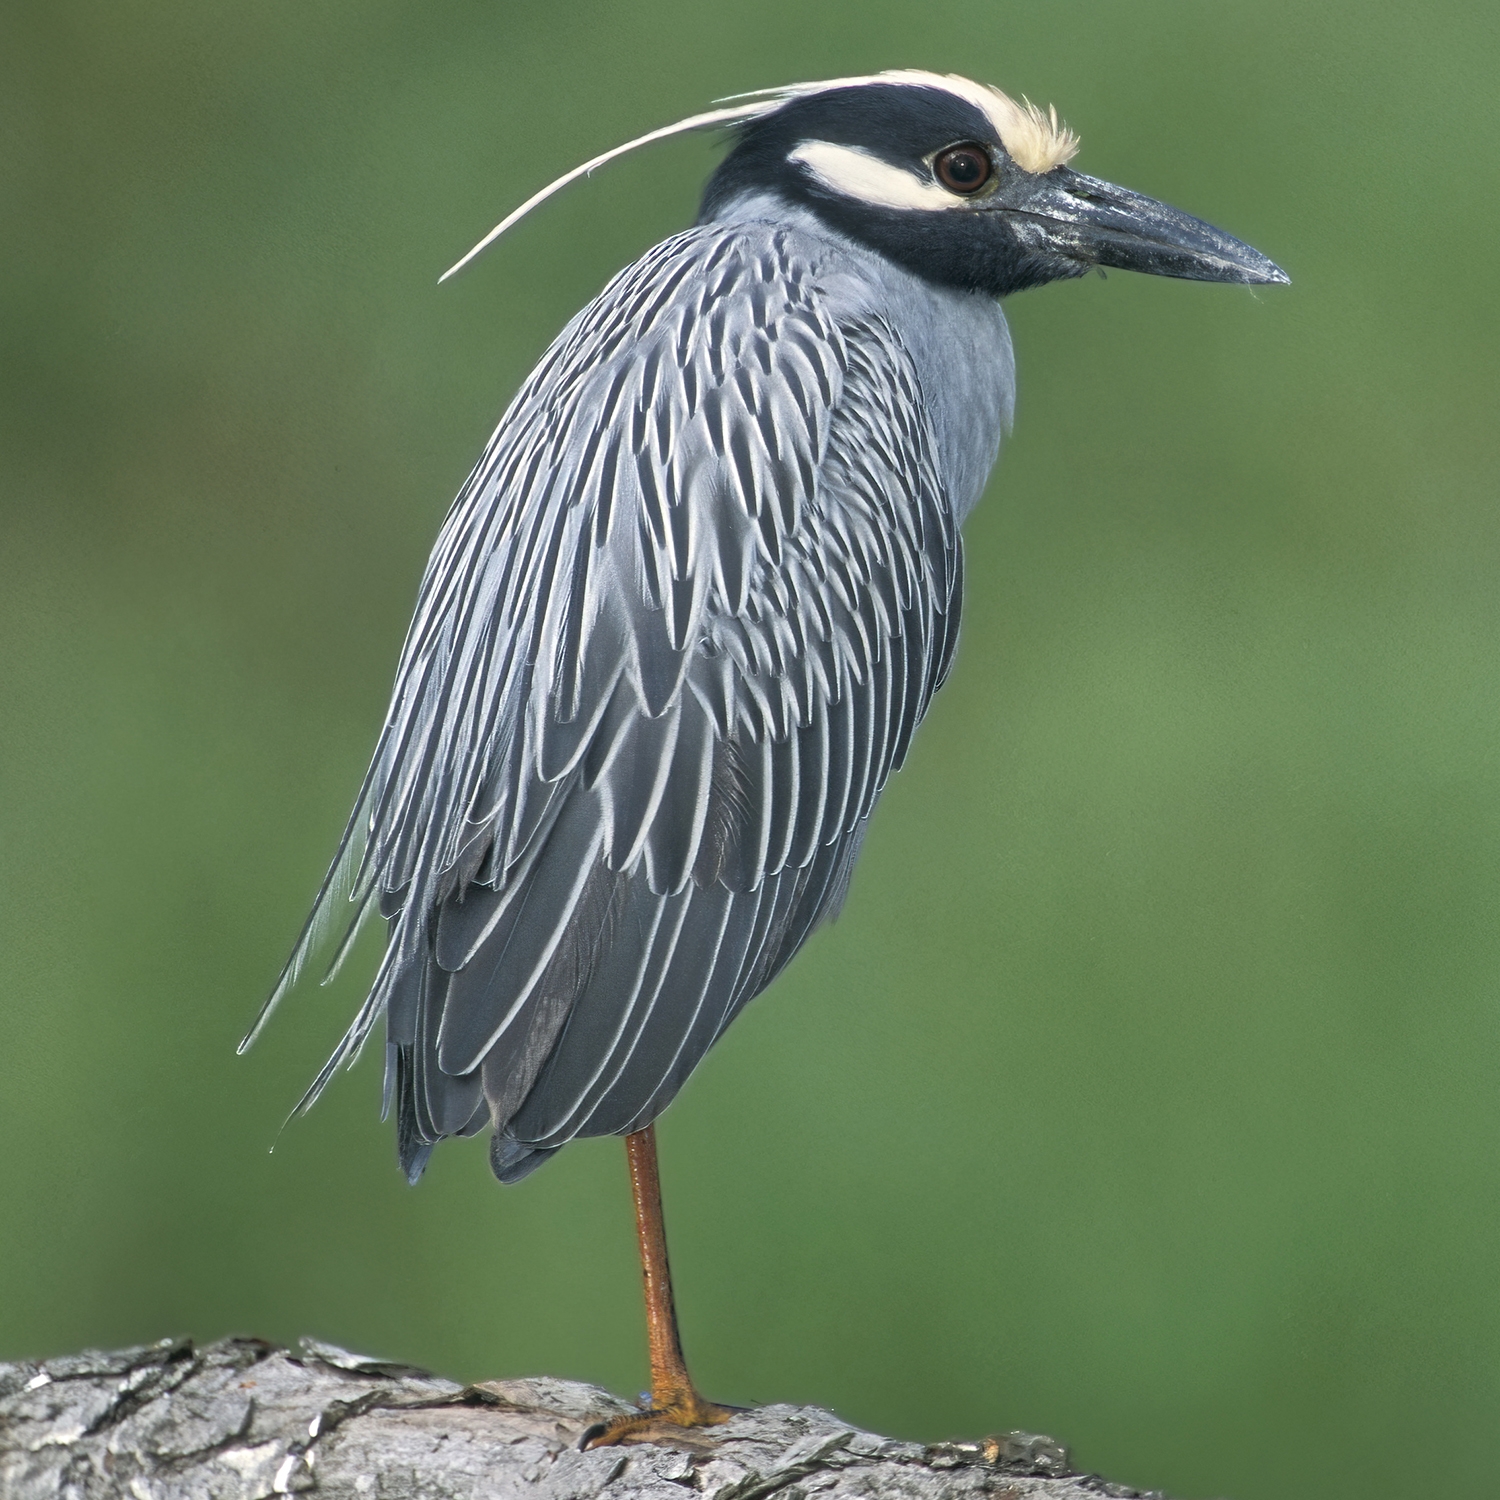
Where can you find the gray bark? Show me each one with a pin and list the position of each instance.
(241, 1419)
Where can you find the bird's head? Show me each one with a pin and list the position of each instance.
(962, 185)
(951, 179)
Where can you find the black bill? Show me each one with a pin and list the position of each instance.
(1096, 223)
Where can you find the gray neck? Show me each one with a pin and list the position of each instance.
(958, 340)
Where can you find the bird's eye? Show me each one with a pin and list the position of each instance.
(964, 168)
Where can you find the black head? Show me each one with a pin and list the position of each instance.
(963, 186)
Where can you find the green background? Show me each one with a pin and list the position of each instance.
(1147, 1093)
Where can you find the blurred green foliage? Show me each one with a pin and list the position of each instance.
(1148, 1092)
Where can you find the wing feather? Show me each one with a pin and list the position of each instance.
(670, 645)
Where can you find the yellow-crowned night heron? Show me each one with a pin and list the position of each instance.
(689, 608)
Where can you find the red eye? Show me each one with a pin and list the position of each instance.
(964, 168)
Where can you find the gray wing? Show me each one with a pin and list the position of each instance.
(675, 635)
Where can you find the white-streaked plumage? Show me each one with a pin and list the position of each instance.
(672, 641)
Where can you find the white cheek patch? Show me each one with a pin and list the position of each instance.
(858, 174)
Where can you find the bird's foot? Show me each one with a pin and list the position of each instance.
(656, 1423)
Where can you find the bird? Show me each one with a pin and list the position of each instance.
(687, 611)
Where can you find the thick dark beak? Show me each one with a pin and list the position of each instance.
(1080, 218)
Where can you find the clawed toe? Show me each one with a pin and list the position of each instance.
(657, 1422)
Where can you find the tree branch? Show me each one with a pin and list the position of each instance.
(242, 1419)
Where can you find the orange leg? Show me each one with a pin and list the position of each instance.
(674, 1399)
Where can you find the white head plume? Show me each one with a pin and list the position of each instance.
(1033, 137)
(693, 122)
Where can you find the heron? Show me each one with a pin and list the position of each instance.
(687, 611)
